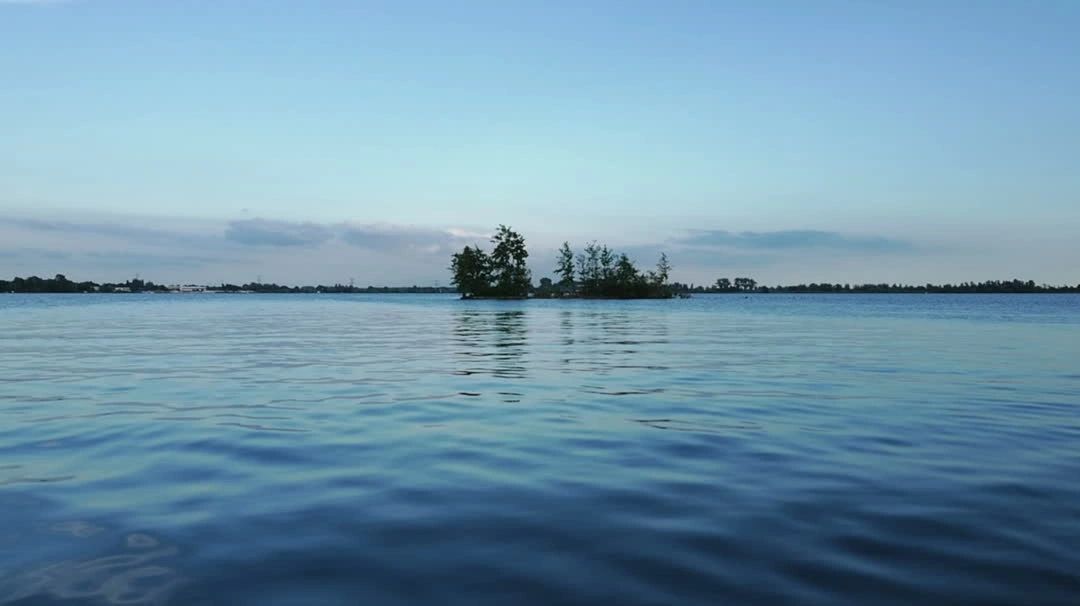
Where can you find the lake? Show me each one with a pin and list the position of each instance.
(418, 449)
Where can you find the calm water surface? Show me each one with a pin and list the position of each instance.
(290, 449)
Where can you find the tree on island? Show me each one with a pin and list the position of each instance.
(600, 272)
(588, 266)
(501, 274)
(512, 275)
(607, 272)
(472, 272)
(663, 268)
(565, 269)
(604, 274)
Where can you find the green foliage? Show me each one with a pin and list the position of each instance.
(60, 284)
(588, 264)
(512, 277)
(600, 272)
(745, 284)
(471, 269)
(605, 274)
(503, 273)
(607, 271)
(565, 268)
(663, 269)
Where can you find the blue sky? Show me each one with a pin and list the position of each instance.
(789, 141)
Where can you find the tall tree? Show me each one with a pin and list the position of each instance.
(607, 270)
(663, 269)
(511, 274)
(589, 269)
(564, 268)
(628, 281)
(471, 270)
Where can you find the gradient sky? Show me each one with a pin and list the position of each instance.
(304, 142)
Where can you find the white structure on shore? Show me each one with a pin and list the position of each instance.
(186, 288)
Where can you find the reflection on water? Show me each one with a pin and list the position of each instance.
(566, 327)
(405, 450)
(492, 343)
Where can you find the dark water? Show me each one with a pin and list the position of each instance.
(216, 449)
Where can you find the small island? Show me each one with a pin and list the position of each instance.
(596, 273)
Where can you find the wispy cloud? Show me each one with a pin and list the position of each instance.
(127, 232)
(390, 238)
(112, 259)
(793, 240)
(264, 232)
(33, 253)
(758, 249)
(110, 247)
(383, 238)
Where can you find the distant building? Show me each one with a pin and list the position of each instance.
(187, 288)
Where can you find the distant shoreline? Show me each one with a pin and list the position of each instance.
(61, 285)
(678, 295)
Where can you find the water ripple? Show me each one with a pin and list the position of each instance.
(402, 450)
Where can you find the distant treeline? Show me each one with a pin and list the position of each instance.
(745, 285)
(60, 284)
(256, 287)
(618, 282)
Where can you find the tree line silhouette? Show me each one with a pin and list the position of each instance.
(591, 274)
(597, 272)
(60, 284)
(725, 285)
